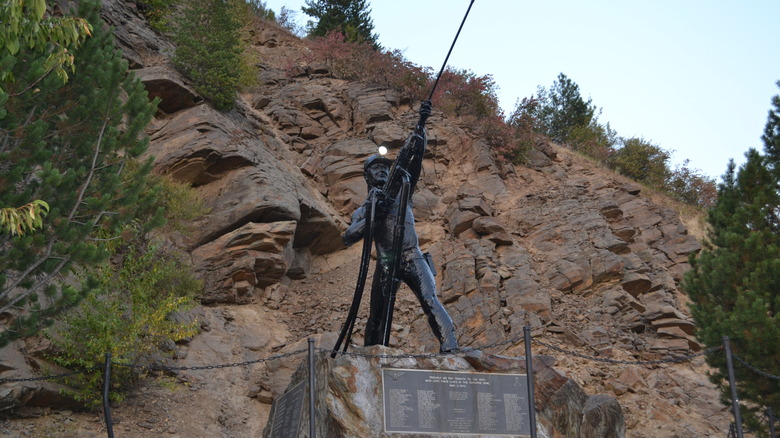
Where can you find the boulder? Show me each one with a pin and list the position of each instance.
(255, 255)
(635, 283)
(488, 225)
(461, 220)
(526, 294)
(24, 390)
(602, 417)
(167, 84)
(349, 398)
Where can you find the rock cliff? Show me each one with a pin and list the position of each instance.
(575, 251)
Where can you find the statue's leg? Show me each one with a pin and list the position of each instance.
(375, 325)
(419, 277)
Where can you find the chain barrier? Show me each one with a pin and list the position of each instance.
(49, 377)
(630, 362)
(754, 369)
(463, 351)
(207, 367)
(398, 356)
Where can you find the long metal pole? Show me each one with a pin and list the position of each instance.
(733, 386)
(312, 413)
(391, 285)
(771, 417)
(106, 404)
(430, 96)
(529, 369)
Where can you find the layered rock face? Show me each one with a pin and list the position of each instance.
(570, 249)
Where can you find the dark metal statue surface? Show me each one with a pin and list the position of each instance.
(386, 218)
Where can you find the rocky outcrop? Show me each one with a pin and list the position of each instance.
(574, 251)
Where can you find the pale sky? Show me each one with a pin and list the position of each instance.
(692, 76)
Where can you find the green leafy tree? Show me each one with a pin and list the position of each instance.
(734, 284)
(210, 50)
(562, 108)
(133, 311)
(642, 161)
(71, 145)
(26, 25)
(350, 17)
(25, 219)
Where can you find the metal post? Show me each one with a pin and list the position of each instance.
(733, 386)
(529, 369)
(106, 404)
(771, 417)
(312, 432)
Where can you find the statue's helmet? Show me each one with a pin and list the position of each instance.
(374, 160)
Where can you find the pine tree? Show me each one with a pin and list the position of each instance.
(73, 145)
(562, 108)
(734, 283)
(350, 17)
(771, 135)
(210, 51)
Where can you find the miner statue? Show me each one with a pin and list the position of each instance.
(386, 219)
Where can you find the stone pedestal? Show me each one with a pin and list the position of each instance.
(348, 400)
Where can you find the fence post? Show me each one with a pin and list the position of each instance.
(312, 429)
(106, 404)
(771, 417)
(529, 369)
(733, 386)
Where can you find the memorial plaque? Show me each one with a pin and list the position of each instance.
(425, 401)
(287, 413)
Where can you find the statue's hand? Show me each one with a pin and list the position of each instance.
(383, 203)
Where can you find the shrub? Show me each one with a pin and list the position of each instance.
(158, 12)
(464, 94)
(128, 313)
(132, 300)
(360, 61)
(642, 161)
(286, 19)
(522, 121)
(691, 186)
(594, 140)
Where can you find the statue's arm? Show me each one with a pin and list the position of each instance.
(414, 166)
(356, 228)
(409, 159)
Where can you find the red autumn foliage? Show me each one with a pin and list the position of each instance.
(360, 61)
(458, 93)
